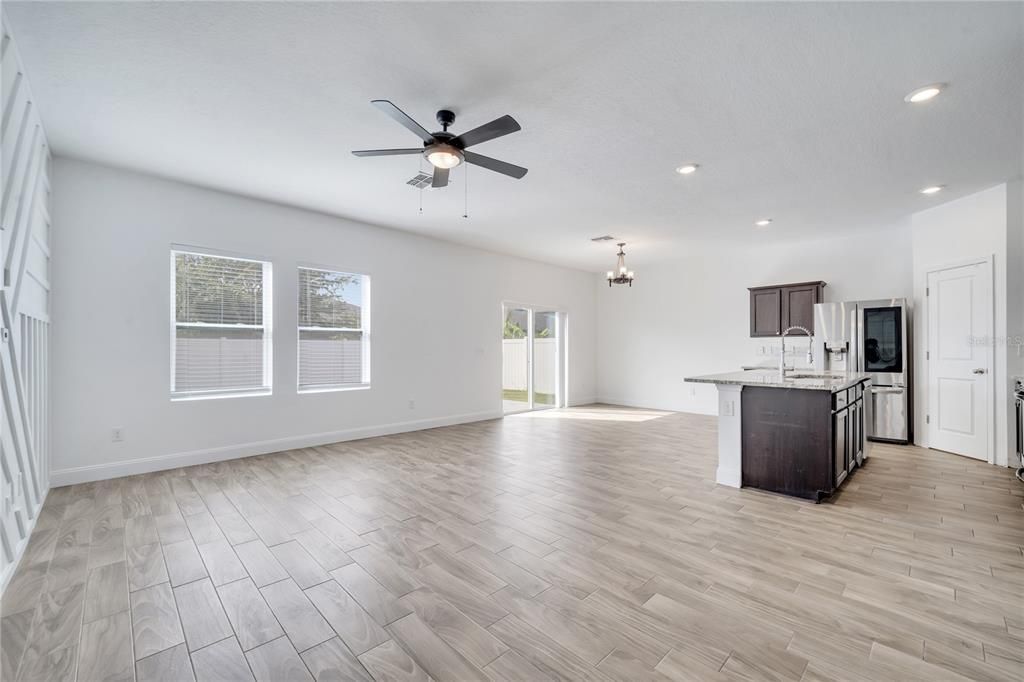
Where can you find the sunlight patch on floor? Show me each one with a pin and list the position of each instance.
(606, 413)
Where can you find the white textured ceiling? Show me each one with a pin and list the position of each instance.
(794, 111)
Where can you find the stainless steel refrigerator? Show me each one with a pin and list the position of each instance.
(872, 337)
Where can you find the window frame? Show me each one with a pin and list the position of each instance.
(267, 388)
(364, 329)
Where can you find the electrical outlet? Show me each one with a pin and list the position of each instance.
(729, 408)
(412, 404)
(117, 434)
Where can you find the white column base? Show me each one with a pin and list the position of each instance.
(730, 436)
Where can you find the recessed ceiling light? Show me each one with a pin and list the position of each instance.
(924, 94)
(932, 190)
(764, 222)
(687, 169)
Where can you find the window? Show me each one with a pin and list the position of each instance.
(221, 321)
(334, 330)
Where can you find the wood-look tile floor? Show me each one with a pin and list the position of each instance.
(585, 544)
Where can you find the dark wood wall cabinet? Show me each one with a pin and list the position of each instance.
(777, 307)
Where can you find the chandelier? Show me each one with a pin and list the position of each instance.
(620, 275)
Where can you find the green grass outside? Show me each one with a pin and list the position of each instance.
(520, 397)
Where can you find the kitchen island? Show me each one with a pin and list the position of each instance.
(800, 434)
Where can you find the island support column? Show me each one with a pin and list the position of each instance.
(730, 436)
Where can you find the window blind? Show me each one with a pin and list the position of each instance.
(333, 329)
(220, 342)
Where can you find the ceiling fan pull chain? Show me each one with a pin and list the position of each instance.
(421, 186)
(465, 195)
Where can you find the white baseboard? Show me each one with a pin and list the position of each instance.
(145, 465)
(729, 476)
(19, 550)
(577, 402)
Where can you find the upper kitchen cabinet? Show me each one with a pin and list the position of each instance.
(780, 306)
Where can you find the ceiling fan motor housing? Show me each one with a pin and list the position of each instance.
(446, 118)
(445, 150)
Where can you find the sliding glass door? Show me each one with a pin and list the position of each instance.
(532, 353)
(545, 359)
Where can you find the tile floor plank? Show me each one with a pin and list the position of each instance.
(146, 566)
(276, 661)
(301, 621)
(106, 649)
(155, 622)
(14, 632)
(388, 662)
(169, 665)
(302, 567)
(333, 661)
(221, 661)
(183, 562)
(221, 562)
(202, 617)
(53, 640)
(325, 552)
(354, 625)
(250, 617)
(371, 595)
(472, 641)
(432, 653)
(261, 565)
(106, 591)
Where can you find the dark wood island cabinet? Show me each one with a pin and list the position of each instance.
(801, 443)
(797, 433)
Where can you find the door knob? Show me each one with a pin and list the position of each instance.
(978, 370)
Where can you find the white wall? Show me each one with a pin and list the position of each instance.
(971, 227)
(1014, 298)
(692, 316)
(436, 325)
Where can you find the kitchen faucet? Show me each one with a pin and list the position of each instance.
(782, 351)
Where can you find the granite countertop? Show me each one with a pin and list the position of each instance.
(820, 381)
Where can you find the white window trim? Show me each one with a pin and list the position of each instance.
(267, 327)
(366, 307)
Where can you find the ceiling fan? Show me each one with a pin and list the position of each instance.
(444, 150)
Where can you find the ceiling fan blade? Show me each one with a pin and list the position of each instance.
(495, 165)
(440, 177)
(387, 152)
(403, 118)
(488, 131)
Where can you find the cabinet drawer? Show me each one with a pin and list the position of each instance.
(840, 399)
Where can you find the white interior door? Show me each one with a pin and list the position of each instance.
(960, 359)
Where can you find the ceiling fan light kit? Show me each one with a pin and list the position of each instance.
(443, 156)
(444, 150)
